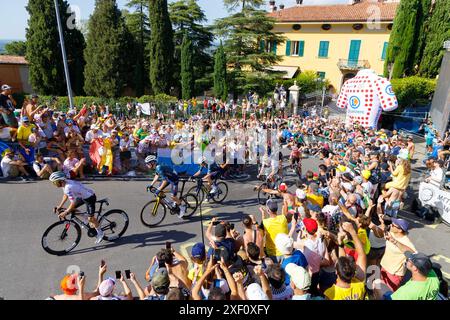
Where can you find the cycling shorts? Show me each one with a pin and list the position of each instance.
(90, 204)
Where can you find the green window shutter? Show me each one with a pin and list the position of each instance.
(353, 54)
(274, 47)
(288, 48)
(383, 54)
(262, 45)
(301, 49)
(323, 49)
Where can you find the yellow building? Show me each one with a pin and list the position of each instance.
(334, 40)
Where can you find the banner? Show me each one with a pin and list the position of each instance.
(437, 198)
(145, 108)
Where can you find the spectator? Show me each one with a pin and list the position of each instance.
(300, 282)
(7, 107)
(73, 168)
(13, 167)
(437, 173)
(44, 167)
(273, 225)
(285, 244)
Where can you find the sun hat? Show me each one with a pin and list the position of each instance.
(284, 243)
(107, 287)
(299, 276)
(255, 292)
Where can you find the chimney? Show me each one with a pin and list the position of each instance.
(299, 2)
(272, 6)
(352, 2)
(281, 6)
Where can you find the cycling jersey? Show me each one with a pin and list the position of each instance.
(214, 168)
(167, 173)
(75, 190)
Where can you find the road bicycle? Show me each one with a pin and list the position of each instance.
(202, 190)
(154, 212)
(271, 184)
(63, 236)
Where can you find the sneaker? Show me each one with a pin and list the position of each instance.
(182, 212)
(214, 190)
(100, 236)
(206, 200)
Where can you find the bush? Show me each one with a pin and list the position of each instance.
(413, 90)
(307, 81)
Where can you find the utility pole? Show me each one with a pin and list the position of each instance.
(63, 50)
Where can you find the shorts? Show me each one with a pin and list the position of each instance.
(173, 187)
(215, 175)
(391, 280)
(90, 204)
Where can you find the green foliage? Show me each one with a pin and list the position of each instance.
(138, 24)
(187, 16)
(44, 53)
(438, 32)
(16, 48)
(307, 81)
(422, 26)
(161, 47)
(243, 32)
(108, 67)
(413, 89)
(402, 40)
(187, 69)
(220, 74)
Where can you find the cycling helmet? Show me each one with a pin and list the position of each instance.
(57, 176)
(151, 159)
(203, 160)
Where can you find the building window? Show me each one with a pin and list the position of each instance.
(295, 48)
(323, 49)
(383, 54)
(268, 46)
(321, 75)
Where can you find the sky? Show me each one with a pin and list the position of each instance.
(14, 20)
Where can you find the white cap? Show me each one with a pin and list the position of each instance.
(348, 186)
(299, 276)
(300, 194)
(284, 243)
(255, 292)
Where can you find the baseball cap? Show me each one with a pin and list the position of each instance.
(160, 278)
(69, 284)
(311, 225)
(272, 205)
(347, 186)
(283, 187)
(255, 292)
(107, 287)
(6, 87)
(403, 224)
(299, 276)
(25, 119)
(284, 243)
(220, 231)
(421, 261)
(34, 96)
(300, 194)
(198, 251)
(366, 174)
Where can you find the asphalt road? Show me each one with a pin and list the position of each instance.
(28, 272)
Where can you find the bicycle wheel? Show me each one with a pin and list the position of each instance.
(153, 214)
(263, 196)
(191, 203)
(221, 194)
(200, 194)
(61, 237)
(114, 223)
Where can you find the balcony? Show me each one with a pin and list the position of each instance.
(344, 64)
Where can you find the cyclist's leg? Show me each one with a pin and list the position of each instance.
(90, 206)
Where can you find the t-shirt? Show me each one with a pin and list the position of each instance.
(418, 290)
(69, 165)
(306, 297)
(23, 133)
(274, 226)
(8, 114)
(314, 251)
(90, 135)
(356, 291)
(393, 260)
(197, 268)
(75, 190)
(297, 258)
(315, 199)
(362, 235)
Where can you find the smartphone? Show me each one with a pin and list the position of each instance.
(333, 172)
(81, 274)
(102, 263)
(215, 223)
(217, 253)
(118, 274)
(328, 176)
(168, 245)
(296, 216)
(127, 274)
(263, 263)
(216, 283)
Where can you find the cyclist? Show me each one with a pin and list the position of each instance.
(213, 174)
(289, 199)
(168, 176)
(78, 195)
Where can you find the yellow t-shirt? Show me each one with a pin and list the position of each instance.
(273, 227)
(355, 292)
(400, 180)
(192, 272)
(362, 235)
(393, 260)
(23, 133)
(315, 199)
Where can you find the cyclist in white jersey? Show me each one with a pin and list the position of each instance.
(78, 195)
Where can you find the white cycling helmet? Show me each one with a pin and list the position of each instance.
(151, 159)
(202, 160)
(57, 176)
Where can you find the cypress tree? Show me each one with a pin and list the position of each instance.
(422, 24)
(401, 43)
(187, 68)
(107, 64)
(220, 74)
(43, 50)
(438, 32)
(161, 47)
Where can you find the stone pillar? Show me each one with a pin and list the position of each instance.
(294, 96)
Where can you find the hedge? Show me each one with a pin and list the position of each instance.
(412, 90)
